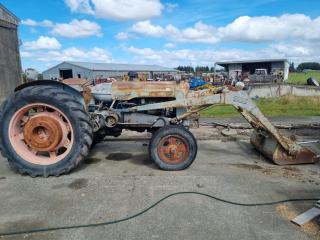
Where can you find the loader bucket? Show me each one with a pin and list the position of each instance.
(271, 149)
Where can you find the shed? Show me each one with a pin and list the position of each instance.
(272, 66)
(10, 65)
(89, 70)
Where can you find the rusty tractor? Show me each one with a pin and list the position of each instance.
(48, 127)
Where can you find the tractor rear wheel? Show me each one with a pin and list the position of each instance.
(173, 148)
(45, 131)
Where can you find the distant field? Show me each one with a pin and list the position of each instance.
(282, 106)
(301, 78)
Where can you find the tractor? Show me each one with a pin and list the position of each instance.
(48, 127)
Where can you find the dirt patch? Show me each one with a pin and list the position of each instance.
(248, 166)
(310, 228)
(285, 172)
(92, 160)
(78, 184)
(119, 156)
(21, 225)
(292, 169)
(313, 172)
(268, 172)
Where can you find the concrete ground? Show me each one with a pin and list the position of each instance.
(118, 180)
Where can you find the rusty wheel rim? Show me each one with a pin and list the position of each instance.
(173, 149)
(41, 134)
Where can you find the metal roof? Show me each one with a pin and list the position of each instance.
(7, 15)
(118, 67)
(223, 63)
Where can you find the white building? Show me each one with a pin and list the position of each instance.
(88, 70)
(233, 68)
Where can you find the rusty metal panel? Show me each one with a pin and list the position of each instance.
(130, 90)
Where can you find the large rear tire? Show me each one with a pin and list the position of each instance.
(45, 131)
(173, 148)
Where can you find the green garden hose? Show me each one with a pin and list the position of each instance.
(48, 229)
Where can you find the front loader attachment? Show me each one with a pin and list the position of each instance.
(271, 149)
(266, 138)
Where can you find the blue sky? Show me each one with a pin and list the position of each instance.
(166, 32)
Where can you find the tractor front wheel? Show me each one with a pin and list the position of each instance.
(173, 148)
(44, 131)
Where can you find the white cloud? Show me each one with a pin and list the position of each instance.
(246, 29)
(77, 28)
(70, 54)
(174, 58)
(120, 10)
(169, 7)
(294, 52)
(81, 6)
(33, 23)
(200, 32)
(122, 36)
(148, 29)
(42, 42)
(74, 29)
(169, 45)
(266, 28)
(26, 54)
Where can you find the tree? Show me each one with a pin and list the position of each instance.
(308, 65)
(187, 69)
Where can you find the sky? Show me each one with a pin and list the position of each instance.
(165, 32)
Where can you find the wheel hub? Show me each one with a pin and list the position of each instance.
(43, 133)
(173, 150)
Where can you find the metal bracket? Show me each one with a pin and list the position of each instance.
(308, 215)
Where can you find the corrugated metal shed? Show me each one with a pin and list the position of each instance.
(273, 66)
(10, 66)
(117, 67)
(7, 16)
(224, 63)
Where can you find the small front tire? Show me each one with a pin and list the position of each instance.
(173, 148)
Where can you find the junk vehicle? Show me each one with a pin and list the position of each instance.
(48, 127)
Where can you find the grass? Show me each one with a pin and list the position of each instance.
(301, 78)
(282, 106)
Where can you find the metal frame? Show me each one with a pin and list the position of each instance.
(268, 140)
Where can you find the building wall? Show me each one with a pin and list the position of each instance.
(10, 66)
(232, 70)
(284, 66)
(7, 17)
(53, 73)
(286, 71)
(106, 74)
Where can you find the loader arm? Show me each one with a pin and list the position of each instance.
(266, 138)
